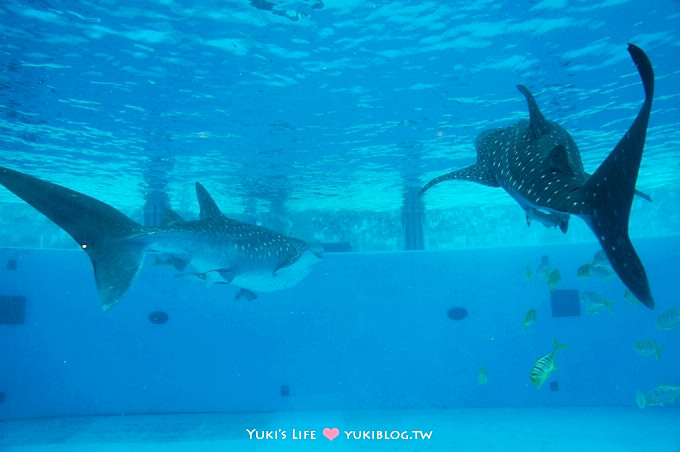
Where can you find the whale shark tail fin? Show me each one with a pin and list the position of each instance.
(609, 192)
(104, 233)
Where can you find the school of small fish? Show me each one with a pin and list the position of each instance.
(552, 275)
(594, 303)
(598, 268)
(648, 347)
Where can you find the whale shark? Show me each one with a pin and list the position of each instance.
(222, 249)
(538, 163)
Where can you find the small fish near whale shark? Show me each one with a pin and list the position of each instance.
(539, 165)
(227, 250)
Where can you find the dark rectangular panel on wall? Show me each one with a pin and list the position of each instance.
(565, 303)
(12, 309)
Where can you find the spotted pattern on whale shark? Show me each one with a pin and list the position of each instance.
(219, 249)
(538, 163)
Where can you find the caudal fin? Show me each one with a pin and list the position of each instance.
(558, 346)
(100, 230)
(609, 192)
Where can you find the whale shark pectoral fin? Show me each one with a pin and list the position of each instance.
(207, 205)
(212, 277)
(608, 193)
(473, 173)
(180, 263)
(227, 275)
(537, 122)
(218, 276)
(564, 225)
(558, 160)
(643, 195)
(104, 233)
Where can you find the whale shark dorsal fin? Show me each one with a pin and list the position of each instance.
(207, 205)
(558, 160)
(537, 122)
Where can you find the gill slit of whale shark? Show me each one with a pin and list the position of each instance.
(227, 250)
(539, 165)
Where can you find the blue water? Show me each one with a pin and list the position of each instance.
(318, 119)
(339, 349)
(317, 126)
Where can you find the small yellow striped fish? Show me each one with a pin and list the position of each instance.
(600, 258)
(584, 271)
(545, 365)
(659, 396)
(529, 319)
(648, 347)
(595, 303)
(668, 319)
(554, 279)
(630, 298)
(482, 377)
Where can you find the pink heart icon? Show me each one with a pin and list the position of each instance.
(331, 433)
